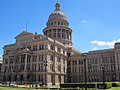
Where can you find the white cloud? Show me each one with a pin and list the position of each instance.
(95, 48)
(84, 21)
(0, 57)
(105, 43)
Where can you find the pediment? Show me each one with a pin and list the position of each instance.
(24, 33)
(25, 51)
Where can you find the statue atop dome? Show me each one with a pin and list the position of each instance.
(57, 5)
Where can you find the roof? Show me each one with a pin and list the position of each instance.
(24, 33)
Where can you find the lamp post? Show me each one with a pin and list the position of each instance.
(113, 77)
(45, 64)
(11, 58)
(103, 74)
(84, 56)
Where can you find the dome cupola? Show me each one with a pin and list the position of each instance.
(57, 15)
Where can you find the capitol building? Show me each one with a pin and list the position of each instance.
(51, 59)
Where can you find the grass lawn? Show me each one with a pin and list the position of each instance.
(10, 88)
(114, 88)
(21, 88)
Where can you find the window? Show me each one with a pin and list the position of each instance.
(80, 69)
(58, 35)
(61, 23)
(29, 47)
(59, 68)
(6, 61)
(63, 61)
(68, 63)
(41, 57)
(28, 67)
(17, 60)
(35, 58)
(54, 35)
(51, 47)
(63, 33)
(48, 24)
(64, 69)
(51, 67)
(63, 51)
(22, 67)
(69, 70)
(35, 48)
(65, 24)
(28, 58)
(58, 49)
(113, 67)
(105, 59)
(23, 58)
(51, 58)
(80, 62)
(59, 59)
(75, 62)
(6, 68)
(54, 23)
(41, 47)
(58, 23)
(112, 59)
(40, 68)
(96, 60)
(51, 23)
(34, 67)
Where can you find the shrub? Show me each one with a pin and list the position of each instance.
(93, 85)
(114, 85)
(104, 86)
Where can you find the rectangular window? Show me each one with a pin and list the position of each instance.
(41, 47)
(58, 49)
(51, 58)
(35, 58)
(35, 48)
(41, 57)
(23, 58)
(51, 47)
(51, 67)
(28, 58)
(59, 68)
(59, 59)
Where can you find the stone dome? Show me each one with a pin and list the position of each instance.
(57, 14)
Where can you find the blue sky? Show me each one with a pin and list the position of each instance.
(95, 23)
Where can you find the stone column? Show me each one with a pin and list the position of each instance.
(31, 62)
(56, 33)
(19, 62)
(60, 33)
(52, 33)
(65, 35)
(37, 80)
(37, 63)
(25, 68)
